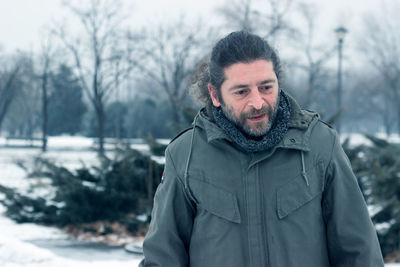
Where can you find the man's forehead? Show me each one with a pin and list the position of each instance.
(248, 63)
(261, 69)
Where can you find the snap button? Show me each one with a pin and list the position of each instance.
(292, 140)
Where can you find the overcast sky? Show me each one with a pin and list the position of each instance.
(22, 20)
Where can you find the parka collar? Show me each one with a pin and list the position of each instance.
(297, 137)
(212, 130)
(300, 127)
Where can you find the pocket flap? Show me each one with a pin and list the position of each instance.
(217, 201)
(297, 193)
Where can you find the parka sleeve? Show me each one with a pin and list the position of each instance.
(168, 238)
(351, 236)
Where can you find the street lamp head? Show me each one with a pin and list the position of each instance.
(340, 33)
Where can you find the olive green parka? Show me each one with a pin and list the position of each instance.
(297, 204)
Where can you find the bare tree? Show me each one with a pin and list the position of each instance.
(314, 58)
(265, 17)
(46, 58)
(9, 75)
(370, 111)
(239, 14)
(23, 112)
(380, 43)
(169, 56)
(7, 91)
(94, 52)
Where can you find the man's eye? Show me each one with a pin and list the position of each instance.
(241, 92)
(265, 88)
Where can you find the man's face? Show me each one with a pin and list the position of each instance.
(249, 96)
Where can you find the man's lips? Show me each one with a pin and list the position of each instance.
(257, 118)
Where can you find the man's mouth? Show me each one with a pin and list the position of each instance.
(257, 118)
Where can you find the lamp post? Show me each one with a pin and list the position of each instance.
(340, 33)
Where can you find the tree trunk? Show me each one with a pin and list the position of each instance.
(176, 122)
(100, 124)
(396, 98)
(398, 119)
(310, 90)
(150, 181)
(44, 112)
(7, 94)
(386, 116)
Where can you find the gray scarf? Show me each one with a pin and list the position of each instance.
(278, 129)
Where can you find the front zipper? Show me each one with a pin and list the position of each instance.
(244, 175)
(255, 216)
(264, 221)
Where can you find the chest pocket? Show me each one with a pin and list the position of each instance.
(296, 193)
(217, 201)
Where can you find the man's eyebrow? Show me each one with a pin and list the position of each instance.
(267, 81)
(238, 86)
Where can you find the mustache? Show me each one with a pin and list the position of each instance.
(258, 112)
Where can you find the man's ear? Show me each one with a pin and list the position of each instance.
(213, 94)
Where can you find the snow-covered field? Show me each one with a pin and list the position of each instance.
(359, 139)
(19, 242)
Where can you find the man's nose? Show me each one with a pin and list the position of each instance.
(256, 100)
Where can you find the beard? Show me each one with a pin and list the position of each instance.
(259, 128)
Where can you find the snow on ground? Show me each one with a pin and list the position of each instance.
(16, 249)
(18, 241)
(360, 139)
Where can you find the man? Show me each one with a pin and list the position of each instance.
(257, 181)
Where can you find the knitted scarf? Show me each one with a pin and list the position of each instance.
(278, 129)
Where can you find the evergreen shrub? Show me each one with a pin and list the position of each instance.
(377, 168)
(118, 190)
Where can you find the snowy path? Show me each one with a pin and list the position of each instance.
(17, 250)
(32, 245)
